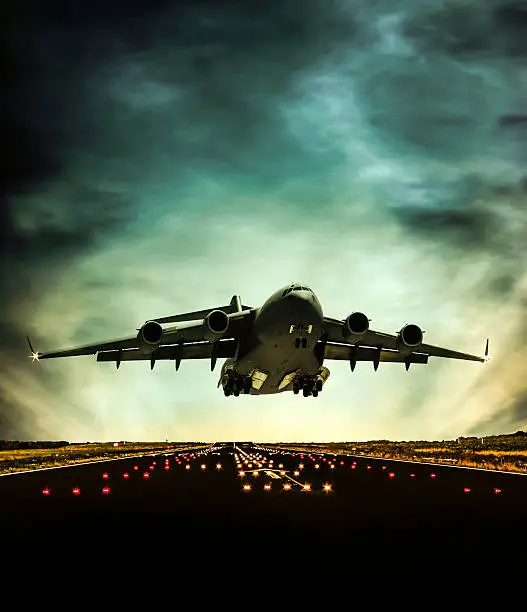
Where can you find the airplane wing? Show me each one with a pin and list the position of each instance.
(189, 339)
(379, 346)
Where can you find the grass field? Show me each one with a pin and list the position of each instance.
(13, 460)
(505, 452)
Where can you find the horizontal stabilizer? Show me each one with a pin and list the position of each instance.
(234, 306)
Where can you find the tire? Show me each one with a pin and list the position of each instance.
(315, 393)
(247, 385)
(226, 391)
(318, 385)
(305, 391)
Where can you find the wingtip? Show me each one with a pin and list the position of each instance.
(487, 350)
(35, 355)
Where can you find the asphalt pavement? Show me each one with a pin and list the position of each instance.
(244, 497)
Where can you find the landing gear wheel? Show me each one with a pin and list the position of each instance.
(226, 391)
(296, 388)
(306, 391)
(318, 385)
(304, 342)
(247, 385)
(297, 342)
(315, 393)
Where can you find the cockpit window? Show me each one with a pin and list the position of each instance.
(295, 288)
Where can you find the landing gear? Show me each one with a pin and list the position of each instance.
(234, 384)
(310, 385)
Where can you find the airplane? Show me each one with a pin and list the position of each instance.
(280, 346)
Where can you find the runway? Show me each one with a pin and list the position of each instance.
(245, 496)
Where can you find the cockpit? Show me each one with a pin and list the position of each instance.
(295, 288)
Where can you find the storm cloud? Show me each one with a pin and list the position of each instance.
(161, 157)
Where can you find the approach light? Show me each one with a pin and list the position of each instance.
(267, 487)
(296, 473)
(105, 475)
(432, 475)
(391, 475)
(326, 488)
(332, 466)
(497, 491)
(146, 475)
(287, 487)
(307, 487)
(136, 467)
(316, 466)
(203, 466)
(241, 473)
(282, 472)
(412, 475)
(76, 491)
(187, 467)
(466, 489)
(218, 466)
(126, 475)
(246, 487)
(105, 490)
(46, 491)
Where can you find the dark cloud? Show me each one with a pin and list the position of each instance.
(116, 113)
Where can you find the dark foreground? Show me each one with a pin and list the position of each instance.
(370, 509)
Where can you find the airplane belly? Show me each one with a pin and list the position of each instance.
(275, 363)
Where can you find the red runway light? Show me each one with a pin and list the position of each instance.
(342, 463)
(105, 490)
(412, 475)
(105, 475)
(46, 491)
(432, 475)
(136, 467)
(76, 491)
(126, 475)
(391, 475)
(497, 491)
(352, 467)
(383, 467)
(151, 467)
(146, 475)
(167, 467)
(368, 467)
(466, 490)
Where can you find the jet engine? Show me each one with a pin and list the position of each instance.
(150, 336)
(215, 324)
(356, 324)
(410, 337)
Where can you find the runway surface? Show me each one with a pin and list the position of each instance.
(244, 496)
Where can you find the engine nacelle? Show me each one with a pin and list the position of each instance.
(215, 324)
(150, 336)
(356, 324)
(410, 337)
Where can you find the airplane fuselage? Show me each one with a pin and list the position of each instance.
(280, 350)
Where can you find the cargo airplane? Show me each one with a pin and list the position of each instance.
(280, 346)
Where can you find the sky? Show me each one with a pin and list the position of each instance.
(160, 157)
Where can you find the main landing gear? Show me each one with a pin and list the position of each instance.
(310, 385)
(235, 383)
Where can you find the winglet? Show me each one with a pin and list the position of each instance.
(487, 351)
(34, 355)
